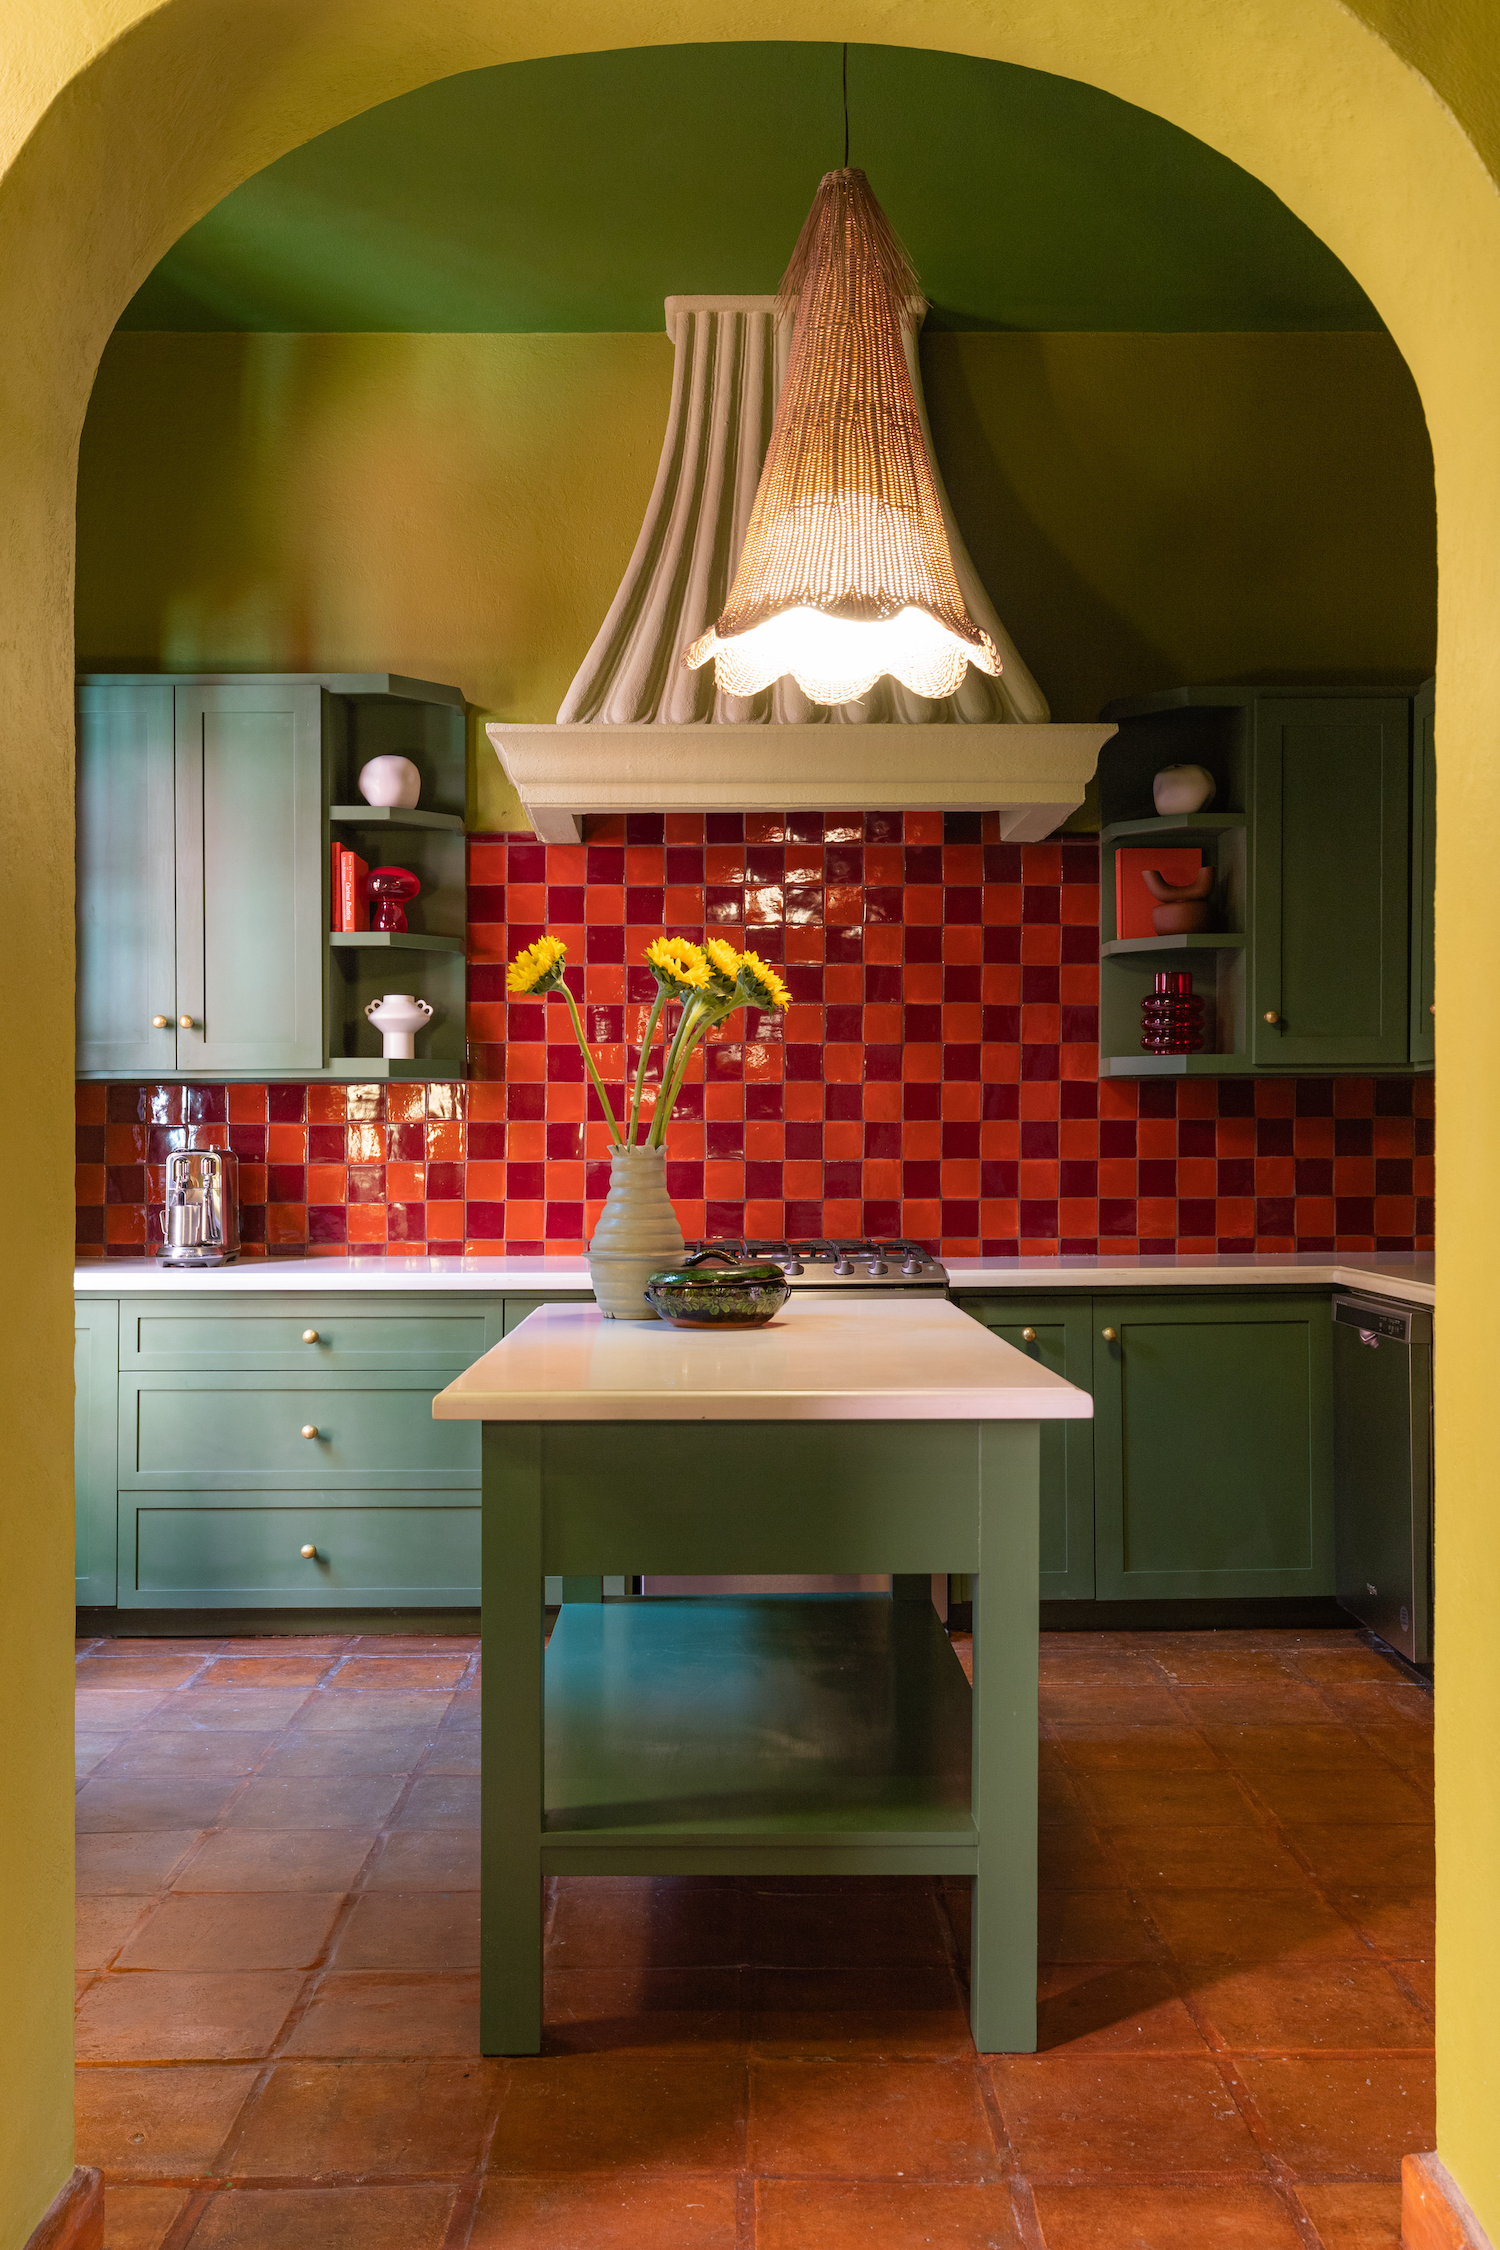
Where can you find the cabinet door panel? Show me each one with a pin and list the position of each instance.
(1060, 1340)
(1213, 1447)
(251, 863)
(127, 969)
(184, 1554)
(219, 1430)
(96, 1328)
(1331, 882)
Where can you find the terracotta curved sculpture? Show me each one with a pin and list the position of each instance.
(1183, 907)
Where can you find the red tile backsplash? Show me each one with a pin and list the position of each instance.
(936, 1075)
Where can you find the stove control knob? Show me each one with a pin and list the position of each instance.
(792, 1267)
(842, 1265)
(911, 1263)
(878, 1265)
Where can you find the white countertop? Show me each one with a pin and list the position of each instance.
(865, 1359)
(1407, 1276)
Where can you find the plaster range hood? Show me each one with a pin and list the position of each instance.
(638, 732)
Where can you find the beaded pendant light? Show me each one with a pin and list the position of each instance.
(846, 574)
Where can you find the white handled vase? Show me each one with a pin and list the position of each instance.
(637, 1234)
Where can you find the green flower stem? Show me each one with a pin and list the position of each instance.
(705, 1019)
(640, 1076)
(669, 1064)
(583, 1045)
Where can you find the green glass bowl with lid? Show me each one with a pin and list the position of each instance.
(715, 1289)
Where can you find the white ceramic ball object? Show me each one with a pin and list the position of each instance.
(398, 1017)
(390, 781)
(1183, 789)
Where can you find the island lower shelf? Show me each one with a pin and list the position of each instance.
(756, 1735)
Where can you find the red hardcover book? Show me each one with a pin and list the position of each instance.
(1134, 904)
(337, 909)
(354, 873)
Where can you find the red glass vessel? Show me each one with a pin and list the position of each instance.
(1172, 1015)
(391, 890)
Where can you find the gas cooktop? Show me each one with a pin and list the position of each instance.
(822, 1263)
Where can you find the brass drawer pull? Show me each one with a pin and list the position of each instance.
(309, 1554)
(1108, 1334)
(309, 1429)
(1028, 1335)
(158, 1023)
(310, 1336)
(1272, 1016)
(184, 1023)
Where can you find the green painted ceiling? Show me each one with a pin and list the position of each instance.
(577, 192)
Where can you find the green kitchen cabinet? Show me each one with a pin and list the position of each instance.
(96, 1330)
(1213, 1445)
(1424, 872)
(1318, 833)
(1058, 1335)
(207, 808)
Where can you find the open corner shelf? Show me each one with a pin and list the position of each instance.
(1162, 826)
(1187, 941)
(393, 941)
(396, 816)
(377, 1070)
(1174, 1066)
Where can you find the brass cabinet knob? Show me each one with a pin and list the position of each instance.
(309, 1335)
(1272, 1016)
(309, 1429)
(184, 1023)
(1028, 1335)
(1108, 1334)
(158, 1023)
(309, 1554)
(1432, 1007)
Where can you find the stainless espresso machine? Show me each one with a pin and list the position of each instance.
(201, 1223)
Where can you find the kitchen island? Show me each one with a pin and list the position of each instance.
(800, 1735)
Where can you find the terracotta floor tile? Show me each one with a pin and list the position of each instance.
(1409, 1749)
(440, 1801)
(426, 1859)
(600, 2011)
(1120, 1667)
(1373, 1704)
(602, 2113)
(258, 1710)
(145, 1801)
(202, 1752)
(349, 2218)
(235, 1930)
(119, 1861)
(286, 1644)
(796, 2012)
(1249, 1749)
(387, 1674)
(101, 1926)
(316, 1801)
(90, 1749)
(113, 1711)
(154, 2124)
(869, 2117)
(1100, 2007)
(321, 2120)
(456, 1750)
(161, 2017)
(1312, 2005)
(1344, 1857)
(411, 1930)
(465, 1643)
(327, 1713)
(1146, 1706)
(1071, 1857)
(1160, 1858)
(1330, 1667)
(381, 1750)
(1057, 1788)
(166, 1670)
(390, 2012)
(611, 2213)
(1174, 1800)
(1355, 2117)
(1093, 1745)
(261, 1859)
(137, 2218)
(1361, 1795)
(1246, 1927)
(1419, 1978)
(1362, 2217)
(1091, 1926)
(466, 1705)
(865, 1929)
(1075, 2116)
(883, 2215)
(1221, 1668)
(266, 1671)
(1251, 2217)
(1272, 1702)
(606, 1921)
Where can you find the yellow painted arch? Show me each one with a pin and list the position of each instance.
(121, 123)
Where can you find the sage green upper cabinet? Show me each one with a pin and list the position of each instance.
(1331, 883)
(126, 904)
(251, 895)
(1424, 872)
(206, 812)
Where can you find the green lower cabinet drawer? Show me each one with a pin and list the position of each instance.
(310, 1335)
(218, 1431)
(1056, 1334)
(1213, 1446)
(177, 1555)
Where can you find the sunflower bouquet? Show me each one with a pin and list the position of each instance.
(709, 981)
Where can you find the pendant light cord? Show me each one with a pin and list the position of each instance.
(846, 105)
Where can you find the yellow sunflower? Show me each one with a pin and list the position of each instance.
(678, 964)
(760, 984)
(723, 957)
(537, 968)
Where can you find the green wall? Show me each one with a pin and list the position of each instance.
(1143, 509)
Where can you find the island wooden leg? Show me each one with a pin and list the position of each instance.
(511, 1755)
(1002, 1972)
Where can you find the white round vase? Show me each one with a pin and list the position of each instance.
(1183, 789)
(398, 1017)
(390, 781)
(637, 1234)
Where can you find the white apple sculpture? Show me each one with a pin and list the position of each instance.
(390, 781)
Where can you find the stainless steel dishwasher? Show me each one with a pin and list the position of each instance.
(1382, 1407)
